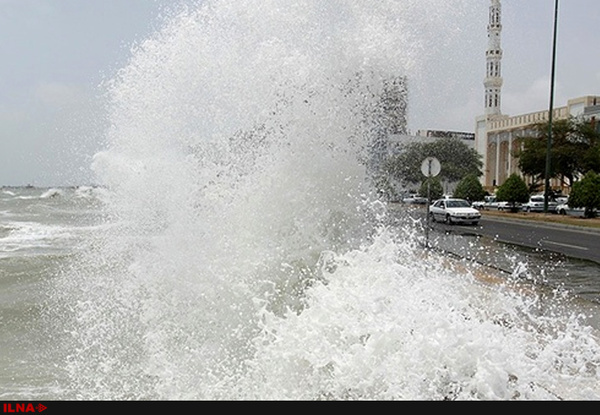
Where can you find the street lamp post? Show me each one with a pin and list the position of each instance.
(550, 112)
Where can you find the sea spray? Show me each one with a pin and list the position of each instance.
(393, 322)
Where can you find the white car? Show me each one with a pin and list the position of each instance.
(536, 204)
(415, 200)
(509, 206)
(453, 211)
(564, 209)
(489, 202)
(478, 204)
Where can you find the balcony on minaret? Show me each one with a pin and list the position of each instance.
(493, 82)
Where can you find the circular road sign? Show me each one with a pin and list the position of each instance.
(431, 167)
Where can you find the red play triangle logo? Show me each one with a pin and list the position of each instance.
(40, 407)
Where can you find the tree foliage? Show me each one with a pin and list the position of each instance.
(470, 188)
(457, 160)
(586, 194)
(514, 190)
(575, 149)
(436, 190)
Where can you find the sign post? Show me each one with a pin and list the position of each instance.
(430, 167)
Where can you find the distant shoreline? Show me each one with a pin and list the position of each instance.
(29, 186)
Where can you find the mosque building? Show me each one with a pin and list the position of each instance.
(495, 133)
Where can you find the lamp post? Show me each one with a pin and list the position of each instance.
(550, 112)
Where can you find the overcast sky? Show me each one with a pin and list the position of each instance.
(55, 53)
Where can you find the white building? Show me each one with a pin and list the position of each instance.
(500, 135)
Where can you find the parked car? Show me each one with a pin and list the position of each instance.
(453, 211)
(415, 200)
(509, 206)
(536, 204)
(478, 204)
(489, 202)
(564, 209)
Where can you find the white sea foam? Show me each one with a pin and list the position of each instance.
(28, 235)
(247, 257)
(52, 193)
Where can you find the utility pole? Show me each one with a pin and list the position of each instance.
(550, 112)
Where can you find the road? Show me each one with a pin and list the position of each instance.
(573, 242)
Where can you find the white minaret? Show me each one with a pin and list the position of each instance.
(493, 78)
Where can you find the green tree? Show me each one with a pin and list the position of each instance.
(457, 160)
(470, 189)
(435, 188)
(575, 150)
(514, 190)
(586, 194)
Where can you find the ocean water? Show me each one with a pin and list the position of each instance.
(235, 248)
